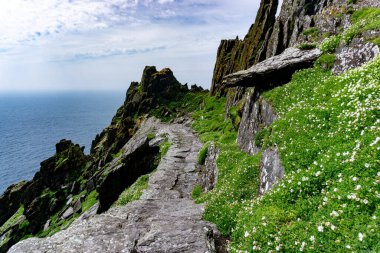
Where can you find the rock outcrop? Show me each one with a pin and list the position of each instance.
(235, 55)
(354, 55)
(274, 71)
(11, 200)
(156, 89)
(257, 115)
(138, 157)
(271, 170)
(165, 219)
(209, 171)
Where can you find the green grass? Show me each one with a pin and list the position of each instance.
(188, 103)
(202, 154)
(326, 61)
(12, 220)
(164, 148)
(306, 46)
(134, 192)
(238, 172)
(328, 135)
(89, 201)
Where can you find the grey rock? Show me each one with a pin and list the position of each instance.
(355, 55)
(77, 207)
(68, 213)
(271, 170)
(209, 173)
(137, 159)
(47, 224)
(165, 219)
(274, 71)
(257, 114)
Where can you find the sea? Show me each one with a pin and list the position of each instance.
(32, 123)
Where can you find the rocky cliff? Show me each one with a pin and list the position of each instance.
(71, 184)
(284, 156)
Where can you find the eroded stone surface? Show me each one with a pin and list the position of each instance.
(165, 219)
(355, 55)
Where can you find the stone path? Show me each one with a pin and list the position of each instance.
(165, 219)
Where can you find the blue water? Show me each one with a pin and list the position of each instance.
(31, 125)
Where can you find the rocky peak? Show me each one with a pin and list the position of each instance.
(235, 55)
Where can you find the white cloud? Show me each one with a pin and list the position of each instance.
(73, 40)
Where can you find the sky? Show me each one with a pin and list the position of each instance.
(60, 45)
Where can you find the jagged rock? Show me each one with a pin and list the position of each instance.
(137, 159)
(10, 201)
(235, 55)
(209, 173)
(37, 212)
(68, 213)
(257, 114)
(155, 89)
(164, 220)
(355, 55)
(273, 71)
(271, 170)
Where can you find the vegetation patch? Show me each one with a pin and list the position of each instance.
(133, 192)
(238, 172)
(326, 61)
(328, 136)
(306, 46)
(203, 154)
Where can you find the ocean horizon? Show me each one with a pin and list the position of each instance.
(32, 123)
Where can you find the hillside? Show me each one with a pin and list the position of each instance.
(282, 155)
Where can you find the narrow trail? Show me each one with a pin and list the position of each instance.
(165, 219)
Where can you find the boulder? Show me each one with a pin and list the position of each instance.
(271, 170)
(68, 213)
(274, 71)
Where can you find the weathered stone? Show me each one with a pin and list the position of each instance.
(355, 55)
(209, 173)
(257, 115)
(68, 213)
(273, 71)
(137, 159)
(271, 170)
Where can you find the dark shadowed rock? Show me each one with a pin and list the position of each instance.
(10, 200)
(355, 55)
(271, 170)
(257, 115)
(137, 159)
(274, 71)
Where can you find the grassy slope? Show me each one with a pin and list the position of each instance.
(329, 140)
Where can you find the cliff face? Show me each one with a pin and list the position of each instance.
(235, 55)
